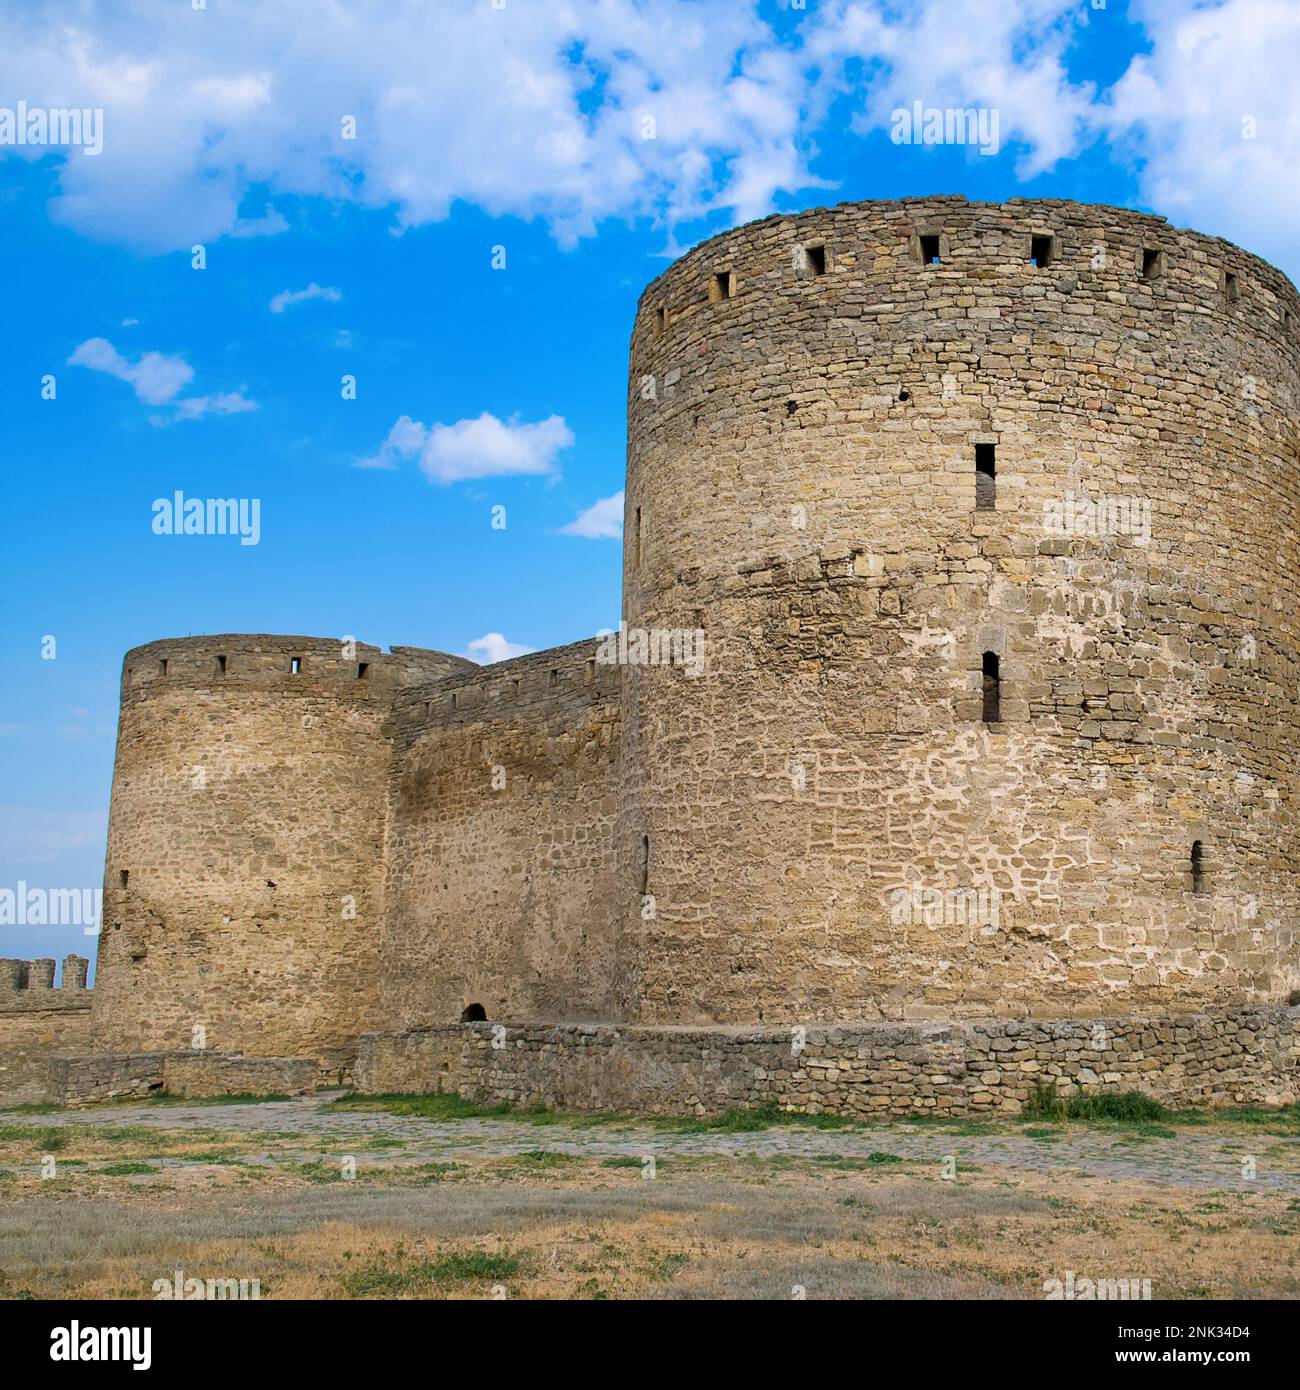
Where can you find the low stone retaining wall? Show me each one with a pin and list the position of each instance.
(1249, 1056)
(98, 1077)
(228, 1074)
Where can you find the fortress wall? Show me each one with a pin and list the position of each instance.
(243, 882)
(1251, 1056)
(802, 485)
(37, 1019)
(500, 843)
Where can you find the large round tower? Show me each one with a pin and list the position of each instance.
(245, 844)
(988, 515)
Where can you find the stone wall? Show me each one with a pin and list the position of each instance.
(94, 1078)
(1195, 1060)
(37, 1020)
(244, 875)
(500, 889)
(802, 485)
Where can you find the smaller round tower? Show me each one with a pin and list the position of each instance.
(244, 873)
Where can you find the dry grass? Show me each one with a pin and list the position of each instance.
(545, 1224)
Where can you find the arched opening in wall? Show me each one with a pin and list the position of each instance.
(1198, 867)
(986, 487)
(645, 865)
(474, 1013)
(992, 688)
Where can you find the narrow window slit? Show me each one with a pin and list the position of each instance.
(930, 250)
(1198, 867)
(992, 687)
(986, 487)
(1040, 251)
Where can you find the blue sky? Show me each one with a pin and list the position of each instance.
(521, 125)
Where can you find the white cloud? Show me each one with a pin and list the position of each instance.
(223, 403)
(541, 110)
(485, 447)
(404, 442)
(603, 520)
(271, 224)
(490, 448)
(155, 377)
(286, 298)
(1179, 112)
(492, 646)
(534, 110)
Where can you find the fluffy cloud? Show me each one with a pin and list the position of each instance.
(492, 646)
(287, 298)
(603, 520)
(1209, 115)
(581, 110)
(573, 111)
(482, 448)
(157, 379)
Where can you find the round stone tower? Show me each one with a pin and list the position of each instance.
(987, 513)
(245, 844)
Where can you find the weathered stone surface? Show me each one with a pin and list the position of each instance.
(651, 1070)
(826, 824)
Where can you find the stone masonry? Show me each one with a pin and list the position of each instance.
(955, 708)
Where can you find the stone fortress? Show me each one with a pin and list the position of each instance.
(985, 516)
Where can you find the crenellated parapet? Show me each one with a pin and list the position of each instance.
(27, 986)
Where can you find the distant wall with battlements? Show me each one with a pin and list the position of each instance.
(37, 1020)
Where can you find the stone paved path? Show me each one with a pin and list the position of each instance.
(1191, 1160)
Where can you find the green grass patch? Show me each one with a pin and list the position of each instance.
(125, 1170)
(624, 1161)
(542, 1158)
(437, 1105)
(392, 1276)
(1121, 1107)
(162, 1098)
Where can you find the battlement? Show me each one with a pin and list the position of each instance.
(537, 685)
(920, 254)
(27, 986)
(311, 666)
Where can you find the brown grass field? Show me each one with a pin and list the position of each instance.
(449, 1201)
